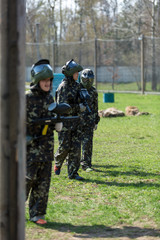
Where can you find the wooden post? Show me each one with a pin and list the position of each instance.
(95, 62)
(12, 119)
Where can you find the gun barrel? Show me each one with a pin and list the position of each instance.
(53, 120)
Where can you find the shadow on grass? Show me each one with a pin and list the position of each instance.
(144, 179)
(133, 172)
(102, 231)
(138, 184)
(96, 167)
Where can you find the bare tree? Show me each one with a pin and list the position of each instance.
(32, 15)
(61, 19)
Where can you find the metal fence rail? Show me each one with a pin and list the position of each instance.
(119, 65)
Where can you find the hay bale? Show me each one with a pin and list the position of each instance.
(142, 113)
(111, 112)
(134, 111)
(131, 111)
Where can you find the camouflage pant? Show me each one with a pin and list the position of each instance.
(37, 184)
(87, 146)
(70, 148)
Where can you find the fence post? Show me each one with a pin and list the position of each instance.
(95, 61)
(37, 41)
(142, 64)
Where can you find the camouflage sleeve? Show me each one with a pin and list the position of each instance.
(61, 95)
(33, 111)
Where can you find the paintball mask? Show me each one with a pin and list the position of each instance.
(41, 70)
(87, 78)
(70, 68)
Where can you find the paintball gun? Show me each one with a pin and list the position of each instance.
(84, 97)
(60, 110)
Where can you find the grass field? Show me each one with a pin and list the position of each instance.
(121, 198)
(133, 86)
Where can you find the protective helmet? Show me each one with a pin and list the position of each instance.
(41, 70)
(87, 78)
(70, 68)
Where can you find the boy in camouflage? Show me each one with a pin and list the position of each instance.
(69, 137)
(90, 120)
(39, 147)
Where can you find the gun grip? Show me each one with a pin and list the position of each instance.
(44, 131)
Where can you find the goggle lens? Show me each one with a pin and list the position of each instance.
(40, 68)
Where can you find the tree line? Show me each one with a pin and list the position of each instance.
(80, 20)
(61, 22)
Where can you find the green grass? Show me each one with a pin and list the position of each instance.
(133, 86)
(121, 197)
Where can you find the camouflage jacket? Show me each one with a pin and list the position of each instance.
(90, 119)
(39, 148)
(67, 92)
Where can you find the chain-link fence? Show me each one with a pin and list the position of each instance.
(119, 65)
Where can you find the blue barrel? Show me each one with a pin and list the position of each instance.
(108, 97)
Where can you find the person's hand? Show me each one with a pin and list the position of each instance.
(59, 126)
(95, 127)
(82, 107)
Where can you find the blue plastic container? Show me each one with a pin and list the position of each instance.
(108, 97)
(58, 77)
